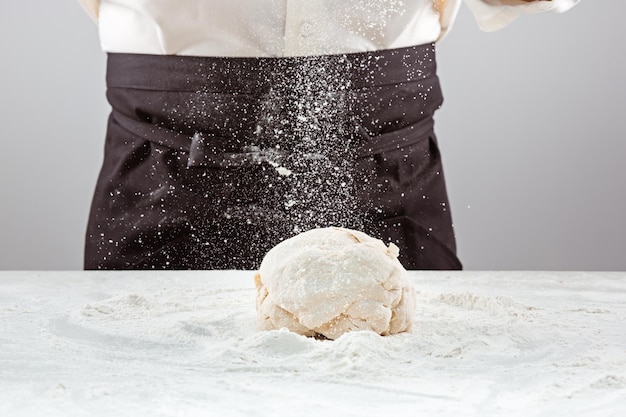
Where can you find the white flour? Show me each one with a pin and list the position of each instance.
(186, 343)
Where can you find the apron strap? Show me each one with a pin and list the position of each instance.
(204, 150)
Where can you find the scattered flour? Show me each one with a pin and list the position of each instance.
(182, 343)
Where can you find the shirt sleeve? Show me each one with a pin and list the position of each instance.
(492, 15)
(91, 7)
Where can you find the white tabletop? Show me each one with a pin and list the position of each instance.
(186, 344)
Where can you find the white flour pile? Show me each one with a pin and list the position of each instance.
(187, 344)
(330, 281)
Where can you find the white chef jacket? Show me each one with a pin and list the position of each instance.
(276, 28)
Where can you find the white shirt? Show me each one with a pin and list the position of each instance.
(273, 28)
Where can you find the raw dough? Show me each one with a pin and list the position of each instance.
(330, 281)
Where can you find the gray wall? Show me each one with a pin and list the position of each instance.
(532, 133)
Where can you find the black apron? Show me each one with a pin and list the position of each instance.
(210, 162)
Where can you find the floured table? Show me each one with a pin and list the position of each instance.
(186, 344)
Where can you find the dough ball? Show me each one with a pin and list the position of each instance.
(331, 281)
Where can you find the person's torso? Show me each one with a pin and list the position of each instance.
(269, 27)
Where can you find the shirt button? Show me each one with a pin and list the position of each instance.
(306, 29)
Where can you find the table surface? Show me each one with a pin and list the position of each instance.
(186, 344)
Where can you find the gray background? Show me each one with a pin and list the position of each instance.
(532, 134)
